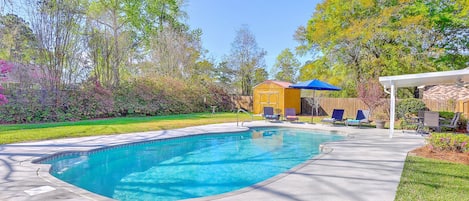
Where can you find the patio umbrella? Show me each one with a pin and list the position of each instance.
(314, 85)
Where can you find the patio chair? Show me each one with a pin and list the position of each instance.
(290, 114)
(431, 120)
(337, 115)
(361, 118)
(454, 122)
(269, 114)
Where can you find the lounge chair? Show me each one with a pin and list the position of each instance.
(290, 114)
(361, 118)
(337, 115)
(269, 114)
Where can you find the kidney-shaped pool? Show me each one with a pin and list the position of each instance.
(189, 167)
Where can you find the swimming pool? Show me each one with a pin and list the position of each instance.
(189, 167)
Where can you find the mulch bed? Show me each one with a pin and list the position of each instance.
(451, 156)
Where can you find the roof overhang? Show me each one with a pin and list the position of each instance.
(413, 80)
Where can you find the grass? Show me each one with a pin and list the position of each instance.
(33, 132)
(429, 179)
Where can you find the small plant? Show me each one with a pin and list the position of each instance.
(380, 116)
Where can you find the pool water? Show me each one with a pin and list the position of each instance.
(189, 167)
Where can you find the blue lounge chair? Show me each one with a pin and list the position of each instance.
(290, 114)
(361, 118)
(269, 114)
(337, 115)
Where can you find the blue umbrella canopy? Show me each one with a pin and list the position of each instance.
(315, 85)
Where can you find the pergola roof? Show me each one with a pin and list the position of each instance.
(412, 80)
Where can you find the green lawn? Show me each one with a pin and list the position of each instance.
(34, 132)
(428, 179)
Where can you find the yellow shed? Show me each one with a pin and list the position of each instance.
(276, 94)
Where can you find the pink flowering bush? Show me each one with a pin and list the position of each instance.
(138, 97)
(5, 67)
(449, 142)
(3, 98)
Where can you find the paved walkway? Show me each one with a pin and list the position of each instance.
(366, 166)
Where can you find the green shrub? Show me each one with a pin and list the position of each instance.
(449, 142)
(166, 95)
(446, 115)
(409, 106)
(408, 125)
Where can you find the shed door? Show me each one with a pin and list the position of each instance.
(269, 99)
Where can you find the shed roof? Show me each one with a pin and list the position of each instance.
(279, 83)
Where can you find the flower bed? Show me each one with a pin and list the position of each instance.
(449, 142)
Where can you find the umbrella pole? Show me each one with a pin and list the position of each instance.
(313, 106)
(312, 114)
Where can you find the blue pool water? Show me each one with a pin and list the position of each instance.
(189, 167)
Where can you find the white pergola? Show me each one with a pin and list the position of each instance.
(413, 80)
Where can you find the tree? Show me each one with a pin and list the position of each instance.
(245, 58)
(286, 66)
(136, 31)
(4, 4)
(203, 71)
(224, 75)
(175, 53)
(17, 39)
(56, 25)
(260, 75)
(111, 38)
(371, 93)
(363, 40)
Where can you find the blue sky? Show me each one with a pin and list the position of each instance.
(273, 23)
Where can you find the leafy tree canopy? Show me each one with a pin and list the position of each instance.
(365, 39)
(286, 66)
(245, 59)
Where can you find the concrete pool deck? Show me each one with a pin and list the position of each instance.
(366, 166)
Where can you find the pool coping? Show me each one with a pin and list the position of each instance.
(20, 174)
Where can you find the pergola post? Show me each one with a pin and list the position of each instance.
(392, 110)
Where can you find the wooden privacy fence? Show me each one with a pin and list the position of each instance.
(326, 105)
(351, 105)
(243, 102)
